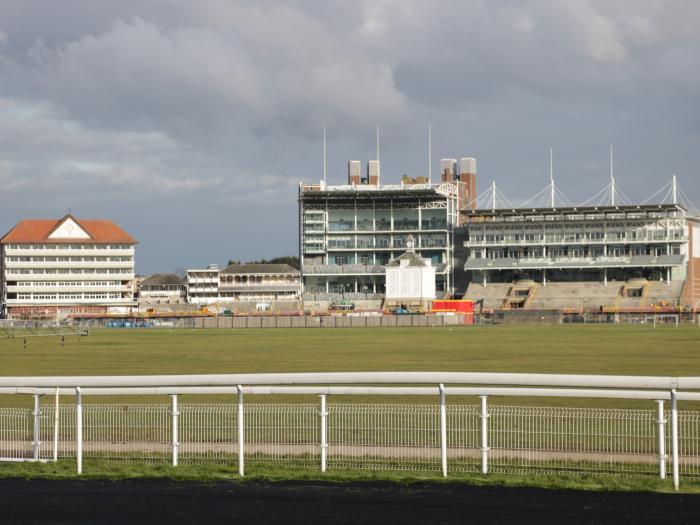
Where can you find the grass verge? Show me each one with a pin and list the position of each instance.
(100, 470)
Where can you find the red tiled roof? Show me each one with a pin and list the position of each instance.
(38, 230)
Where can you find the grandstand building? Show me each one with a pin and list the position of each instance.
(605, 258)
(58, 267)
(243, 283)
(162, 288)
(348, 233)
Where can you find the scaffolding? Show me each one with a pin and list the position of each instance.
(11, 328)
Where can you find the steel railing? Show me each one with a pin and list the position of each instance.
(481, 437)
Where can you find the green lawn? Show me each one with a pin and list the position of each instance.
(632, 350)
(564, 349)
(638, 350)
(94, 470)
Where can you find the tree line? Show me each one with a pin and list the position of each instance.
(291, 260)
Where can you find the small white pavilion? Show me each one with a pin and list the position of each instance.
(410, 279)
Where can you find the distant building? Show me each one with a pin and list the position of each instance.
(203, 285)
(348, 233)
(57, 267)
(161, 288)
(244, 283)
(410, 280)
(591, 257)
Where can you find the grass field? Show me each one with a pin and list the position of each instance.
(65, 470)
(617, 349)
(631, 350)
(564, 349)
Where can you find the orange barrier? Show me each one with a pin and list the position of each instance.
(458, 306)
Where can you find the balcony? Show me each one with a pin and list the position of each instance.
(344, 269)
(562, 240)
(69, 289)
(203, 289)
(16, 276)
(506, 263)
(56, 264)
(254, 288)
(63, 252)
(125, 301)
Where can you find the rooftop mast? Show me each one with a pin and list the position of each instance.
(324, 155)
(430, 154)
(674, 188)
(551, 177)
(377, 141)
(612, 178)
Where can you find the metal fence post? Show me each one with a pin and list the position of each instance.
(661, 434)
(484, 415)
(674, 439)
(443, 430)
(241, 433)
(324, 433)
(55, 427)
(176, 443)
(79, 428)
(37, 426)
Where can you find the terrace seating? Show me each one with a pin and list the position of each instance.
(577, 295)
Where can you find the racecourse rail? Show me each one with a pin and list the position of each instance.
(481, 438)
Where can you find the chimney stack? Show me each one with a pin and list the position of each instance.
(373, 172)
(354, 172)
(448, 169)
(467, 175)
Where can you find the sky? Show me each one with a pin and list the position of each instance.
(191, 124)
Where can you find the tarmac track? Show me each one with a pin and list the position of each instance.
(149, 501)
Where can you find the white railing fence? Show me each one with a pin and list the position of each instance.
(438, 435)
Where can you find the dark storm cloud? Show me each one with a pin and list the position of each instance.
(191, 123)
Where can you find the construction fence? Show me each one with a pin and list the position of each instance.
(505, 317)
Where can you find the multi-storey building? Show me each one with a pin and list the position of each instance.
(348, 233)
(239, 283)
(628, 245)
(53, 268)
(203, 285)
(161, 288)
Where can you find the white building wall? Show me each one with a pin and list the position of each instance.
(410, 282)
(54, 274)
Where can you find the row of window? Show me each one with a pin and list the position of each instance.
(68, 271)
(43, 296)
(367, 259)
(655, 235)
(35, 259)
(575, 252)
(425, 241)
(63, 284)
(432, 223)
(69, 246)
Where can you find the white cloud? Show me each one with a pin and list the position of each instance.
(200, 113)
(150, 76)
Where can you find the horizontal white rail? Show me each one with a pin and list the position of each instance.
(336, 378)
(362, 391)
(375, 432)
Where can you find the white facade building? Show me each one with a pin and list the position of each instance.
(57, 267)
(410, 278)
(162, 288)
(243, 283)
